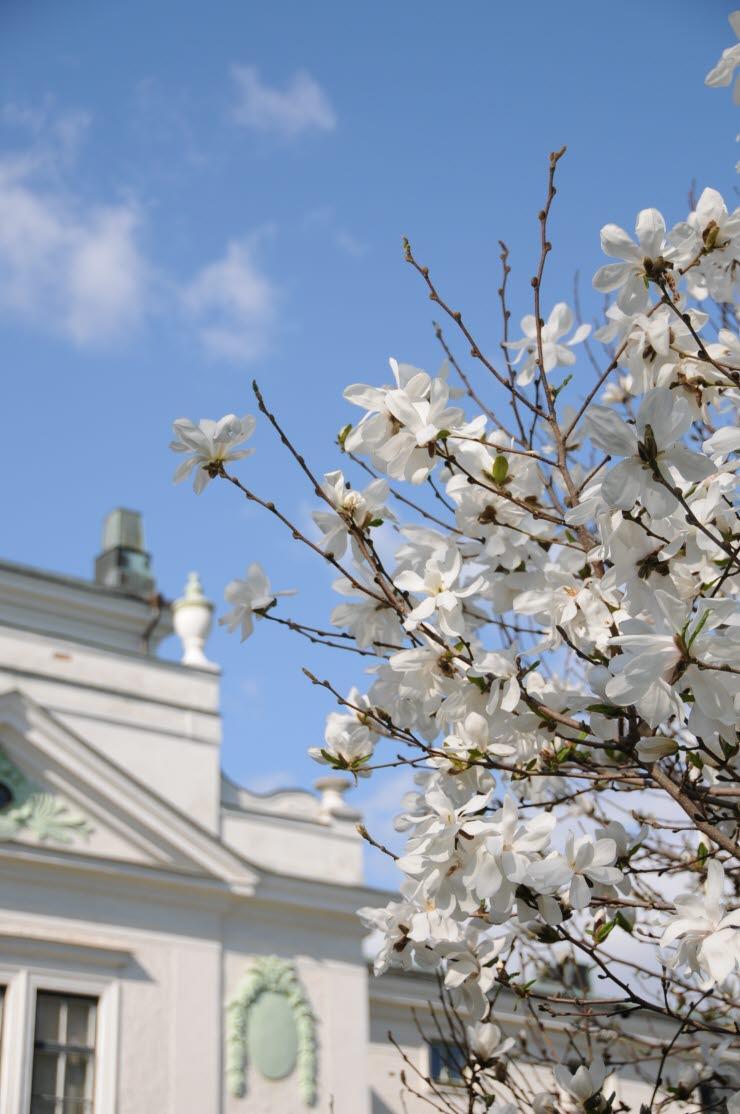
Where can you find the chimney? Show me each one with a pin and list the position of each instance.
(123, 562)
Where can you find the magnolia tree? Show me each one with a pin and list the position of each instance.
(554, 651)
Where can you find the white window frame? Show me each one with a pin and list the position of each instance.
(22, 984)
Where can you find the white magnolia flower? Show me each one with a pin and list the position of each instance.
(591, 859)
(402, 423)
(653, 445)
(249, 597)
(585, 858)
(708, 242)
(501, 672)
(409, 453)
(423, 676)
(367, 620)
(209, 443)
(714, 225)
(505, 857)
(486, 1041)
(563, 599)
(724, 71)
(359, 508)
(349, 739)
(723, 441)
(709, 937)
(394, 922)
(555, 351)
(471, 969)
(654, 645)
(473, 735)
(442, 597)
(641, 261)
(654, 747)
(378, 424)
(584, 1082)
(439, 813)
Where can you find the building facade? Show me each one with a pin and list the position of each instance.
(171, 943)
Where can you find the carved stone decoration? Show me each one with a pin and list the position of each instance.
(254, 1014)
(272, 1036)
(27, 808)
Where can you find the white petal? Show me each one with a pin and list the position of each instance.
(580, 895)
(607, 430)
(560, 320)
(650, 229)
(611, 276)
(724, 441)
(618, 244)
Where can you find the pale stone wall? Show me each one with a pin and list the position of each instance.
(180, 881)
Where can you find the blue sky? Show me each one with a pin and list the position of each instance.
(195, 195)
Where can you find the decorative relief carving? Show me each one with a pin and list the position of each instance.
(24, 807)
(259, 1029)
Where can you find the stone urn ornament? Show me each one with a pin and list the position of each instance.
(192, 617)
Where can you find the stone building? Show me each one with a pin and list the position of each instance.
(170, 943)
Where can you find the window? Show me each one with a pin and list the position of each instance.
(445, 1062)
(63, 1054)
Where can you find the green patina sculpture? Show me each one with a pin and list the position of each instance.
(270, 1023)
(28, 808)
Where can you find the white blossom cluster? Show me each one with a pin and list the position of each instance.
(556, 643)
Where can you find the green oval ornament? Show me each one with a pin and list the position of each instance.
(272, 1038)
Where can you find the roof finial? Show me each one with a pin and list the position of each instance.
(332, 803)
(192, 616)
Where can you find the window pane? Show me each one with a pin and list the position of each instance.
(446, 1062)
(78, 1076)
(45, 1073)
(63, 1056)
(81, 1023)
(49, 1018)
(43, 1106)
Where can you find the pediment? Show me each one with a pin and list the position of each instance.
(62, 794)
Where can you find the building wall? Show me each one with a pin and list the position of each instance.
(154, 965)
(161, 922)
(167, 965)
(161, 939)
(156, 719)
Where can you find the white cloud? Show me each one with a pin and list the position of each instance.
(75, 267)
(349, 244)
(324, 220)
(60, 134)
(233, 304)
(73, 270)
(301, 106)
